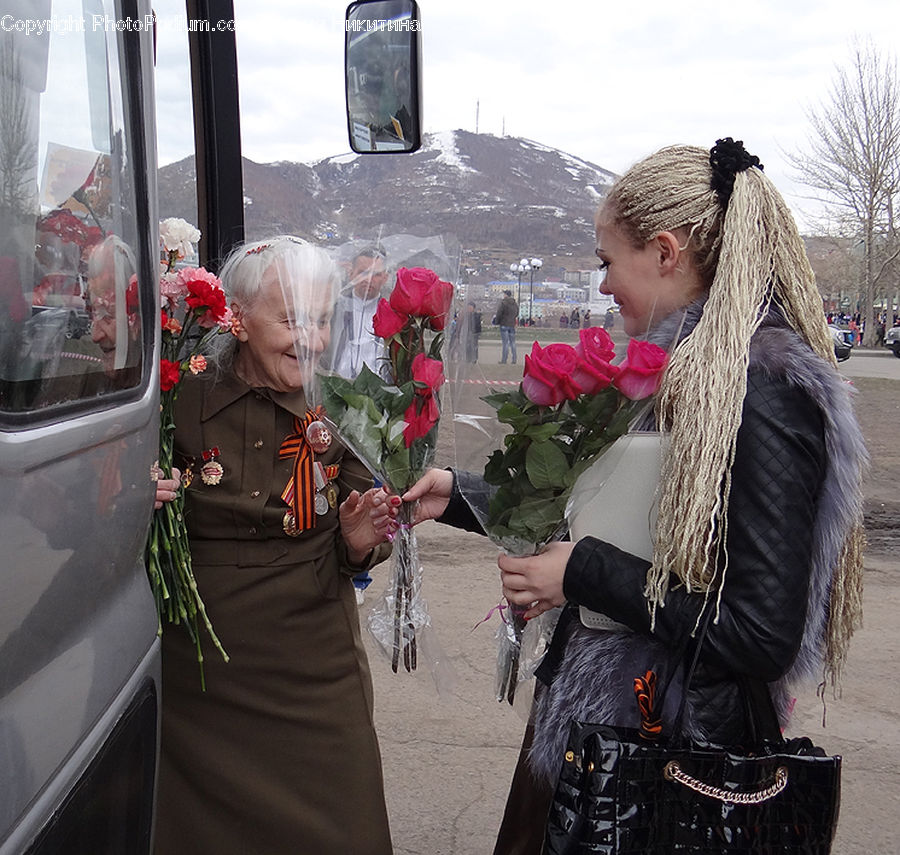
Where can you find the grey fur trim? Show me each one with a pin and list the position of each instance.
(595, 679)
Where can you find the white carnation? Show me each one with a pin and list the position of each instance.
(177, 235)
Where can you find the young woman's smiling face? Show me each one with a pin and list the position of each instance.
(647, 283)
(279, 350)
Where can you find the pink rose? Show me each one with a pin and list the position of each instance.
(595, 349)
(387, 322)
(595, 345)
(548, 374)
(640, 373)
(592, 378)
(420, 421)
(428, 371)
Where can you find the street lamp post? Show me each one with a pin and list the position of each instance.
(535, 264)
(519, 269)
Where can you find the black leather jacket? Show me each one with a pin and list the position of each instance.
(777, 474)
(776, 478)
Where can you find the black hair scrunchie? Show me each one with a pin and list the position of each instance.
(727, 158)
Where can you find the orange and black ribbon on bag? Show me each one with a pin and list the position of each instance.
(300, 492)
(645, 693)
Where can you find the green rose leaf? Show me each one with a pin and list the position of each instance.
(539, 433)
(546, 465)
(510, 414)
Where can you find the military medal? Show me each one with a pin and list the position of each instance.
(211, 471)
(318, 436)
(309, 492)
(331, 492)
(322, 504)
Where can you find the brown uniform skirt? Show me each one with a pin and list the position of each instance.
(279, 755)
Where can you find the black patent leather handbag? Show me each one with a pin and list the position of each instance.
(618, 793)
(630, 792)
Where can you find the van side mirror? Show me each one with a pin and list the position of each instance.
(382, 53)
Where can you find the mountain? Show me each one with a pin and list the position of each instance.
(502, 198)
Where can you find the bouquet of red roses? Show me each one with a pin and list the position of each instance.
(389, 419)
(194, 309)
(571, 405)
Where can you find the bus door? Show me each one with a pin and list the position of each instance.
(79, 657)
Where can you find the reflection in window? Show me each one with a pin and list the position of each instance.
(69, 310)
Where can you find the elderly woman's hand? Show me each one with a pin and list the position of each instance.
(536, 582)
(166, 488)
(432, 491)
(366, 520)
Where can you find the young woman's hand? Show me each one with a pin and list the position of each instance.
(536, 581)
(432, 491)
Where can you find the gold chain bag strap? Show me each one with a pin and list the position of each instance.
(624, 790)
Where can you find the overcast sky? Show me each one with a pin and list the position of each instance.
(607, 82)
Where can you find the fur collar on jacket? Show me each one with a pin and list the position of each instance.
(594, 681)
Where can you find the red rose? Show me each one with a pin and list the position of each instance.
(411, 290)
(428, 371)
(419, 422)
(437, 304)
(387, 322)
(548, 374)
(169, 374)
(418, 291)
(641, 371)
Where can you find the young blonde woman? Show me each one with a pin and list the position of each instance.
(703, 257)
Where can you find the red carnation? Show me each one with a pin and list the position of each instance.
(169, 374)
(204, 295)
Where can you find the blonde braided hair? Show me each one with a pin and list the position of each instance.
(747, 254)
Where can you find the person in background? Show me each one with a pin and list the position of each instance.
(355, 343)
(506, 317)
(469, 329)
(279, 753)
(759, 508)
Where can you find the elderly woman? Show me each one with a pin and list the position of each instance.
(755, 521)
(279, 754)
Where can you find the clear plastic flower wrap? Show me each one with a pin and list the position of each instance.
(531, 440)
(379, 384)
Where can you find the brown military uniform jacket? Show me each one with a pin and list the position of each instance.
(279, 754)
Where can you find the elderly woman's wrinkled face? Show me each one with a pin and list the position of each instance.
(281, 345)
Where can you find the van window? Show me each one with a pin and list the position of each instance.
(70, 305)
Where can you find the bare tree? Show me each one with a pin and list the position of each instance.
(854, 165)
